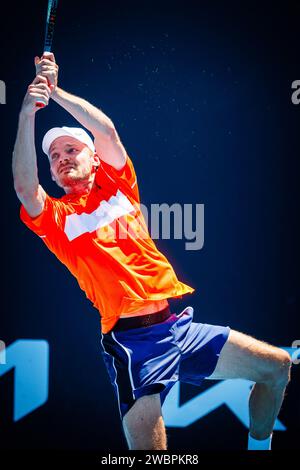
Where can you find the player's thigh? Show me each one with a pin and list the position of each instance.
(143, 424)
(245, 357)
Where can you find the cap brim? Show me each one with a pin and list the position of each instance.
(53, 134)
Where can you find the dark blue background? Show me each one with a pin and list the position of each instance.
(200, 94)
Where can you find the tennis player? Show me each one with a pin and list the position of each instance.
(98, 231)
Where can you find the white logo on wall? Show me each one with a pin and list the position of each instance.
(296, 353)
(2, 92)
(2, 352)
(296, 95)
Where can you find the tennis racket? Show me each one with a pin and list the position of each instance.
(50, 22)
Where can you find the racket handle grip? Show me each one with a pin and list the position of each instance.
(40, 103)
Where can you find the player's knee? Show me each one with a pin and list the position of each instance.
(278, 372)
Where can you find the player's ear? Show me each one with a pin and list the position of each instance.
(96, 160)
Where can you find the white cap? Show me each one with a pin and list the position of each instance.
(76, 132)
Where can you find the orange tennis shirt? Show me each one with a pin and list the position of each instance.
(103, 239)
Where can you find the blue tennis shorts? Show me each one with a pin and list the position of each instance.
(148, 360)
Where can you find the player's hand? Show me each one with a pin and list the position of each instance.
(37, 90)
(48, 68)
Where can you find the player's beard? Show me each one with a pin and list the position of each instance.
(74, 178)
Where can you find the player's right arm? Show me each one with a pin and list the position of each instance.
(24, 163)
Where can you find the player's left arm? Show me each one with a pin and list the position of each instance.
(107, 141)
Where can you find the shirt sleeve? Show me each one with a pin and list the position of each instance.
(47, 222)
(125, 178)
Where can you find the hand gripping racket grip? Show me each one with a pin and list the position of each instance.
(40, 103)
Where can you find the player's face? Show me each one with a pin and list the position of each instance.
(71, 161)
